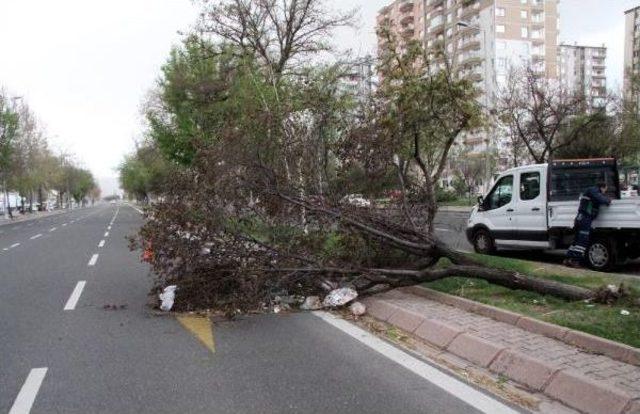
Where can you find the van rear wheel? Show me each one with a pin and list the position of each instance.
(483, 242)
(601, 254)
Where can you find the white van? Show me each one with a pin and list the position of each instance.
(534, 207)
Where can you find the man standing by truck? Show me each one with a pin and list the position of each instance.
(590, 202)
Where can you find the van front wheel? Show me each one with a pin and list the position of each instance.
(483, 242)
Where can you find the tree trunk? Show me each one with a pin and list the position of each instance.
(428, 248)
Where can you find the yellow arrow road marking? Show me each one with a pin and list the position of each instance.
(201, 327)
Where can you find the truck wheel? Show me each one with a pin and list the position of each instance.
(483, 242)
(601, 254)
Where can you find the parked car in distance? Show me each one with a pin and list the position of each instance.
(357, 200)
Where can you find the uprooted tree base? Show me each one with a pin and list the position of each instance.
(224, 265)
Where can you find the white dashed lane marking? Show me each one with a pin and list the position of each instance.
(93, 260)
(27, 395)
(75, 296)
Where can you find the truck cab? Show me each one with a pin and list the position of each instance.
(534, 207)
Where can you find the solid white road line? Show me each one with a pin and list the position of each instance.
(136, 208)
(75, 296)
(106, 234)
(101, 244)
(443, 230)
(53, 229)
(27, 395)
(37, 236)
(93, 260)
(458, 389)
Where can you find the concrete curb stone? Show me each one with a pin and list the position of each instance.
(590, 343)
(566, 385)
(437, 333)
(406, 320)
(474, 349)
(576, 390)
(523, 369)
(380, 309)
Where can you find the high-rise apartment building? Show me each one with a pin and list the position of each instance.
(582, 69)
(483, 38)
(631, 51)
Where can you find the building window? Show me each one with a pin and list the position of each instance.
(501, 12)
(500, 28)
(523, 1)
(501, 63)
(524, 32)
(501, 45)
(523, 14)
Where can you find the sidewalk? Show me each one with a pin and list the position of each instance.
(594, 384)
(18, 218)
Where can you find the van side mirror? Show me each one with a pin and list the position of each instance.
(481, 202)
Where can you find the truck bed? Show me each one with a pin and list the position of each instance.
(621, 214)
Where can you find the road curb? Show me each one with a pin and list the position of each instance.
(587, 395)
(589, 343)
(571, 388)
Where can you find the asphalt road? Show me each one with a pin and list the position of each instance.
(61, 351)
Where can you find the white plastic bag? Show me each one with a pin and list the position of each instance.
(167, 297)
(339, 297)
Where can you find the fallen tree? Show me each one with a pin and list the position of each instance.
(264, 206)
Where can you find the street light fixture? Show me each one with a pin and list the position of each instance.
(464, 24)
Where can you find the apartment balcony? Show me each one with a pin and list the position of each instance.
(598, 64)
(408, 30)
(470, 11)
(470, 43)
(471, 59)
(435, 3)
(537, 5)
(406, 6)
(407, 19)
(436, 25)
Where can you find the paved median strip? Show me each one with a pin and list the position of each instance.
(27, 395)
(93, 260)
(75, 296)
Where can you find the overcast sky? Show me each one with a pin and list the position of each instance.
(84, 66)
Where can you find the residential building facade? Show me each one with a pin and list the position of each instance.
(483, 39)
(582, 70)
(360, 78)
(631, 51)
